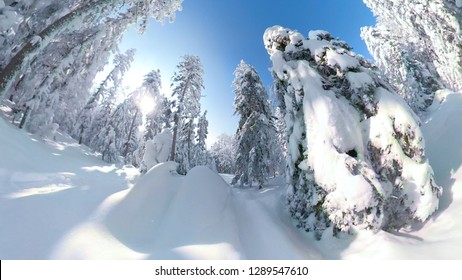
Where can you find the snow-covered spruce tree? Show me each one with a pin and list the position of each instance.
(109, 151)
(74, 16)
(223, 153)
(126, 121)
(200, 154)
(44, 82)
(106, 90)
(185, 145)
(157, 119)
(356, 155)
(73, 78)
(187, 86)
(255, 130)
(101, 122)
(417, 46)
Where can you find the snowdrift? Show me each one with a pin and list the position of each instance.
(198, 216)
(175, 217)
(46, 189)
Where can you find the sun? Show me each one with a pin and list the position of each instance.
(147, 104)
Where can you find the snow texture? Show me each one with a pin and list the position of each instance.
(72, 205)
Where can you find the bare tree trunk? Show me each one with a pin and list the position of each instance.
(24, 117)
(81, 134)
(175, 133)
(189, 140)
(130, 134)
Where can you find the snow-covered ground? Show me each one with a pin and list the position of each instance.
(59, 201)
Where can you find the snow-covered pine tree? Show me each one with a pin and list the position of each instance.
(109, 151)
(223, 154)
(73, 78)
(101, 119)
(71, 16)
(48, 75)
(255, 131)
(417, 46)
(126, 121)
(106, 90)
(200, 153)
(187, 86)
(185, 145)
(356, 156)
(156, 118)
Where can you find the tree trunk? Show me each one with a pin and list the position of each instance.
(24, 118)
(130, 134)
(189, 141)
(175, 133)
(81, 135)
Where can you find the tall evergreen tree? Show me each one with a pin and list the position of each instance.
(126, 121)
(255, 131)
(187, 88)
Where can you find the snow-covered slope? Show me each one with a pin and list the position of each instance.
(46, 188)
(59, 201)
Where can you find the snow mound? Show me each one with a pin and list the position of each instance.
(197, 216)
(136, 219)
(201, 214)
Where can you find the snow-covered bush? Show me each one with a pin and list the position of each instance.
(356, 155)
(157, 149)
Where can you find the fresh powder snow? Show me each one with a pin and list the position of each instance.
(60, 201)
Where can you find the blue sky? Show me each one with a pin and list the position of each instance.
(223, 32)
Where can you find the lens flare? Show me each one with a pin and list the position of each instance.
(147, 104)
